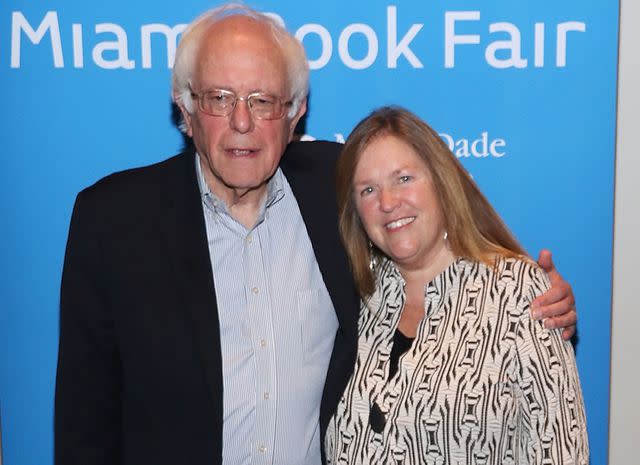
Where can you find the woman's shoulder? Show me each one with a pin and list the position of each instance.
(502, 265)
(523, 276)
(518, 275)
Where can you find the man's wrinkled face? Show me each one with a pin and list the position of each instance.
(239, 152)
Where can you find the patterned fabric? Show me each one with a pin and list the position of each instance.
(483, 383)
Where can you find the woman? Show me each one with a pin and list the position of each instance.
(451, 368)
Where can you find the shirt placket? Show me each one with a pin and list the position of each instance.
(260, 309)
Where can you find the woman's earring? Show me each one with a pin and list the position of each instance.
(373, 260)
(446, 242)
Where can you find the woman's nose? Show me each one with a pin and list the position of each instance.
(388, 199)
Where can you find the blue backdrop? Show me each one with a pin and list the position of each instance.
(524, 92)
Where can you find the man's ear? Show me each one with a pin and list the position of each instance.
(302, 109)
(185, 124)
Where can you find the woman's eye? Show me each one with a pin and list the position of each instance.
(366, 191)
(405, 178)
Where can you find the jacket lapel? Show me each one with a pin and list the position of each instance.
(187, 246)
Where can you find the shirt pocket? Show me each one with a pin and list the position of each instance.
(318, 324)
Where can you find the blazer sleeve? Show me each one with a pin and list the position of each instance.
(87, 422)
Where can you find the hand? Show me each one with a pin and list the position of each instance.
(557, 305)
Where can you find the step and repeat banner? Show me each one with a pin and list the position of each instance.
(523, 93)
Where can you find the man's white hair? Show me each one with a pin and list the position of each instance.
(187, 52)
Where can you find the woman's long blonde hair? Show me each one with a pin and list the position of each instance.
(474, 229)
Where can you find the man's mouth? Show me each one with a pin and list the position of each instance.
(399, 223)
(241, 152)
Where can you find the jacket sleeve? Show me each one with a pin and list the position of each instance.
(88, 415)
(553, 425)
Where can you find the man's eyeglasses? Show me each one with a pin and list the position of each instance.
(220, 102)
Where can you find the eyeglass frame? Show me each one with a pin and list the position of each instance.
(199, 96)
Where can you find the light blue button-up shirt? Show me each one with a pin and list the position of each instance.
(277, 328)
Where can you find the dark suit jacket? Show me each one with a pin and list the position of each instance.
(140, 372)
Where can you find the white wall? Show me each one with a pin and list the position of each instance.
(624, 432)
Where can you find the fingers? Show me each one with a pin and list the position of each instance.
(557, 310)
(545, 261)
(556, 301)
(562, 319)
(557, 306)
(567, 333)
(556, 316)
(566, 322)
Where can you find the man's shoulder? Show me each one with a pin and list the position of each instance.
(310, 156)
(314, 147)
(134, 182)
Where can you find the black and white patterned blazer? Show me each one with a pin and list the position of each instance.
(483, 383)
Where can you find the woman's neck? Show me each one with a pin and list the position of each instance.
(415, 282)
(418, 277)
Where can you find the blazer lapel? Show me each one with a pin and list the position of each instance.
(187, 246)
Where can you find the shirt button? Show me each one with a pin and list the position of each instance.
(266, 396)
(255, 290)
(263, 343)
(249, 239)
(262, 449)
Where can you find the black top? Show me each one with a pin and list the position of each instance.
(401, 344)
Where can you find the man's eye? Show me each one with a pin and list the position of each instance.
(218, 97)
(263, 100)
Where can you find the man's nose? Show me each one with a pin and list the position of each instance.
(241, 119)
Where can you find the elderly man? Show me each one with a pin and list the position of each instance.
(205, 299)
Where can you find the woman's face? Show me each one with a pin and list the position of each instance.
(397, 203)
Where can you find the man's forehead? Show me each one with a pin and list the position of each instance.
(238, 27)
(239, 35)
(236, 47)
